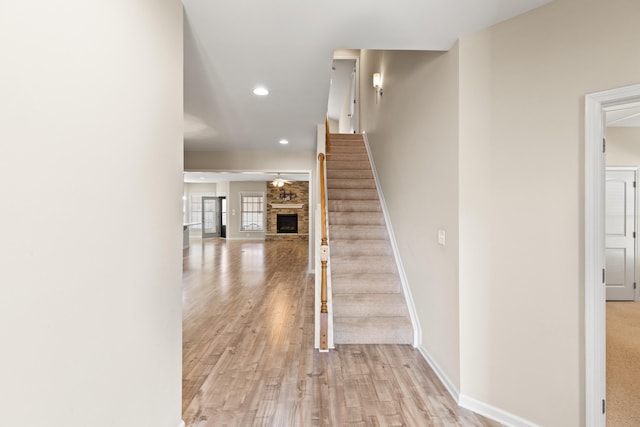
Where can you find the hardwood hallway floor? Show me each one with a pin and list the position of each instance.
(248, 357)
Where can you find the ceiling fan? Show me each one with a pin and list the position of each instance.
(279, 182)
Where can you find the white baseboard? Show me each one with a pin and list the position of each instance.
(182, 424)
(494, 413)
(472, 404)
(451, 388)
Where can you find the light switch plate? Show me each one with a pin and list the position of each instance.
(442, 237)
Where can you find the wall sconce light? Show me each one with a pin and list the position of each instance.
(377, 85)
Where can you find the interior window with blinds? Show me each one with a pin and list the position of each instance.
(252, 212)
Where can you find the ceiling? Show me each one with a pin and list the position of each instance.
(232, 46)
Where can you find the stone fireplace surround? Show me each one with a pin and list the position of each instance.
(298, 205)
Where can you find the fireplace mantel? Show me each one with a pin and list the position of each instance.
(287, 205)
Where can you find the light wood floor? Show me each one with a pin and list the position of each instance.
(248, 356)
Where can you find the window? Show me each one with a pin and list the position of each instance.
(196, 211)
(251, 211)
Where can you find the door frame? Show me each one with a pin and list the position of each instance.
(594, 259)
(356, 57)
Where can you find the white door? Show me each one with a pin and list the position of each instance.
(620, 234)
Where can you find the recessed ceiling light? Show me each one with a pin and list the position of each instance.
(284, 142)
(261, 91)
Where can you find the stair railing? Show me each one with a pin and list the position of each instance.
(324, 256)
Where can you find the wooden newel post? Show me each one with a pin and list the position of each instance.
(324, 258)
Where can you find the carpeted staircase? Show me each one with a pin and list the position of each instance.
(368, 302)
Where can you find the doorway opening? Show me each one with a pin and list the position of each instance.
(596, 107)
(214, 216)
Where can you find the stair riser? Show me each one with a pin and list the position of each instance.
(338, 151)
(351, 194)
(339, 250)
(354, 206)
(343, 183)
(356, 218)
(353, 287)
(343, 234)
(346, 308)
(377, 336)
(338, 267)
(336, 164)
(349, 157)
(349, 174)
(377, 333)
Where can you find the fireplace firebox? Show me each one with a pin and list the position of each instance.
(287, 223)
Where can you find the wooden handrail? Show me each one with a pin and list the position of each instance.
(324, 257)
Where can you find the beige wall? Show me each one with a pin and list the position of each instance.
(623, 146)
(234, 209)
(413, 134)
(507, 141)
(521, 206)
(285, 160)
(90, 301)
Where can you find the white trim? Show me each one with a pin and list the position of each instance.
(594, 261)
(287, 205)
(472, 404)
(444, 379)
(494, 413)
(413, 314)
(182, 424)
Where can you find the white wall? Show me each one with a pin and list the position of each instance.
(413, 134)
(90, 313)
(523, 84)
(623, 146)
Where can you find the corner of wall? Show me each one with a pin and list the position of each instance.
(448, 384)
(494, 413)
